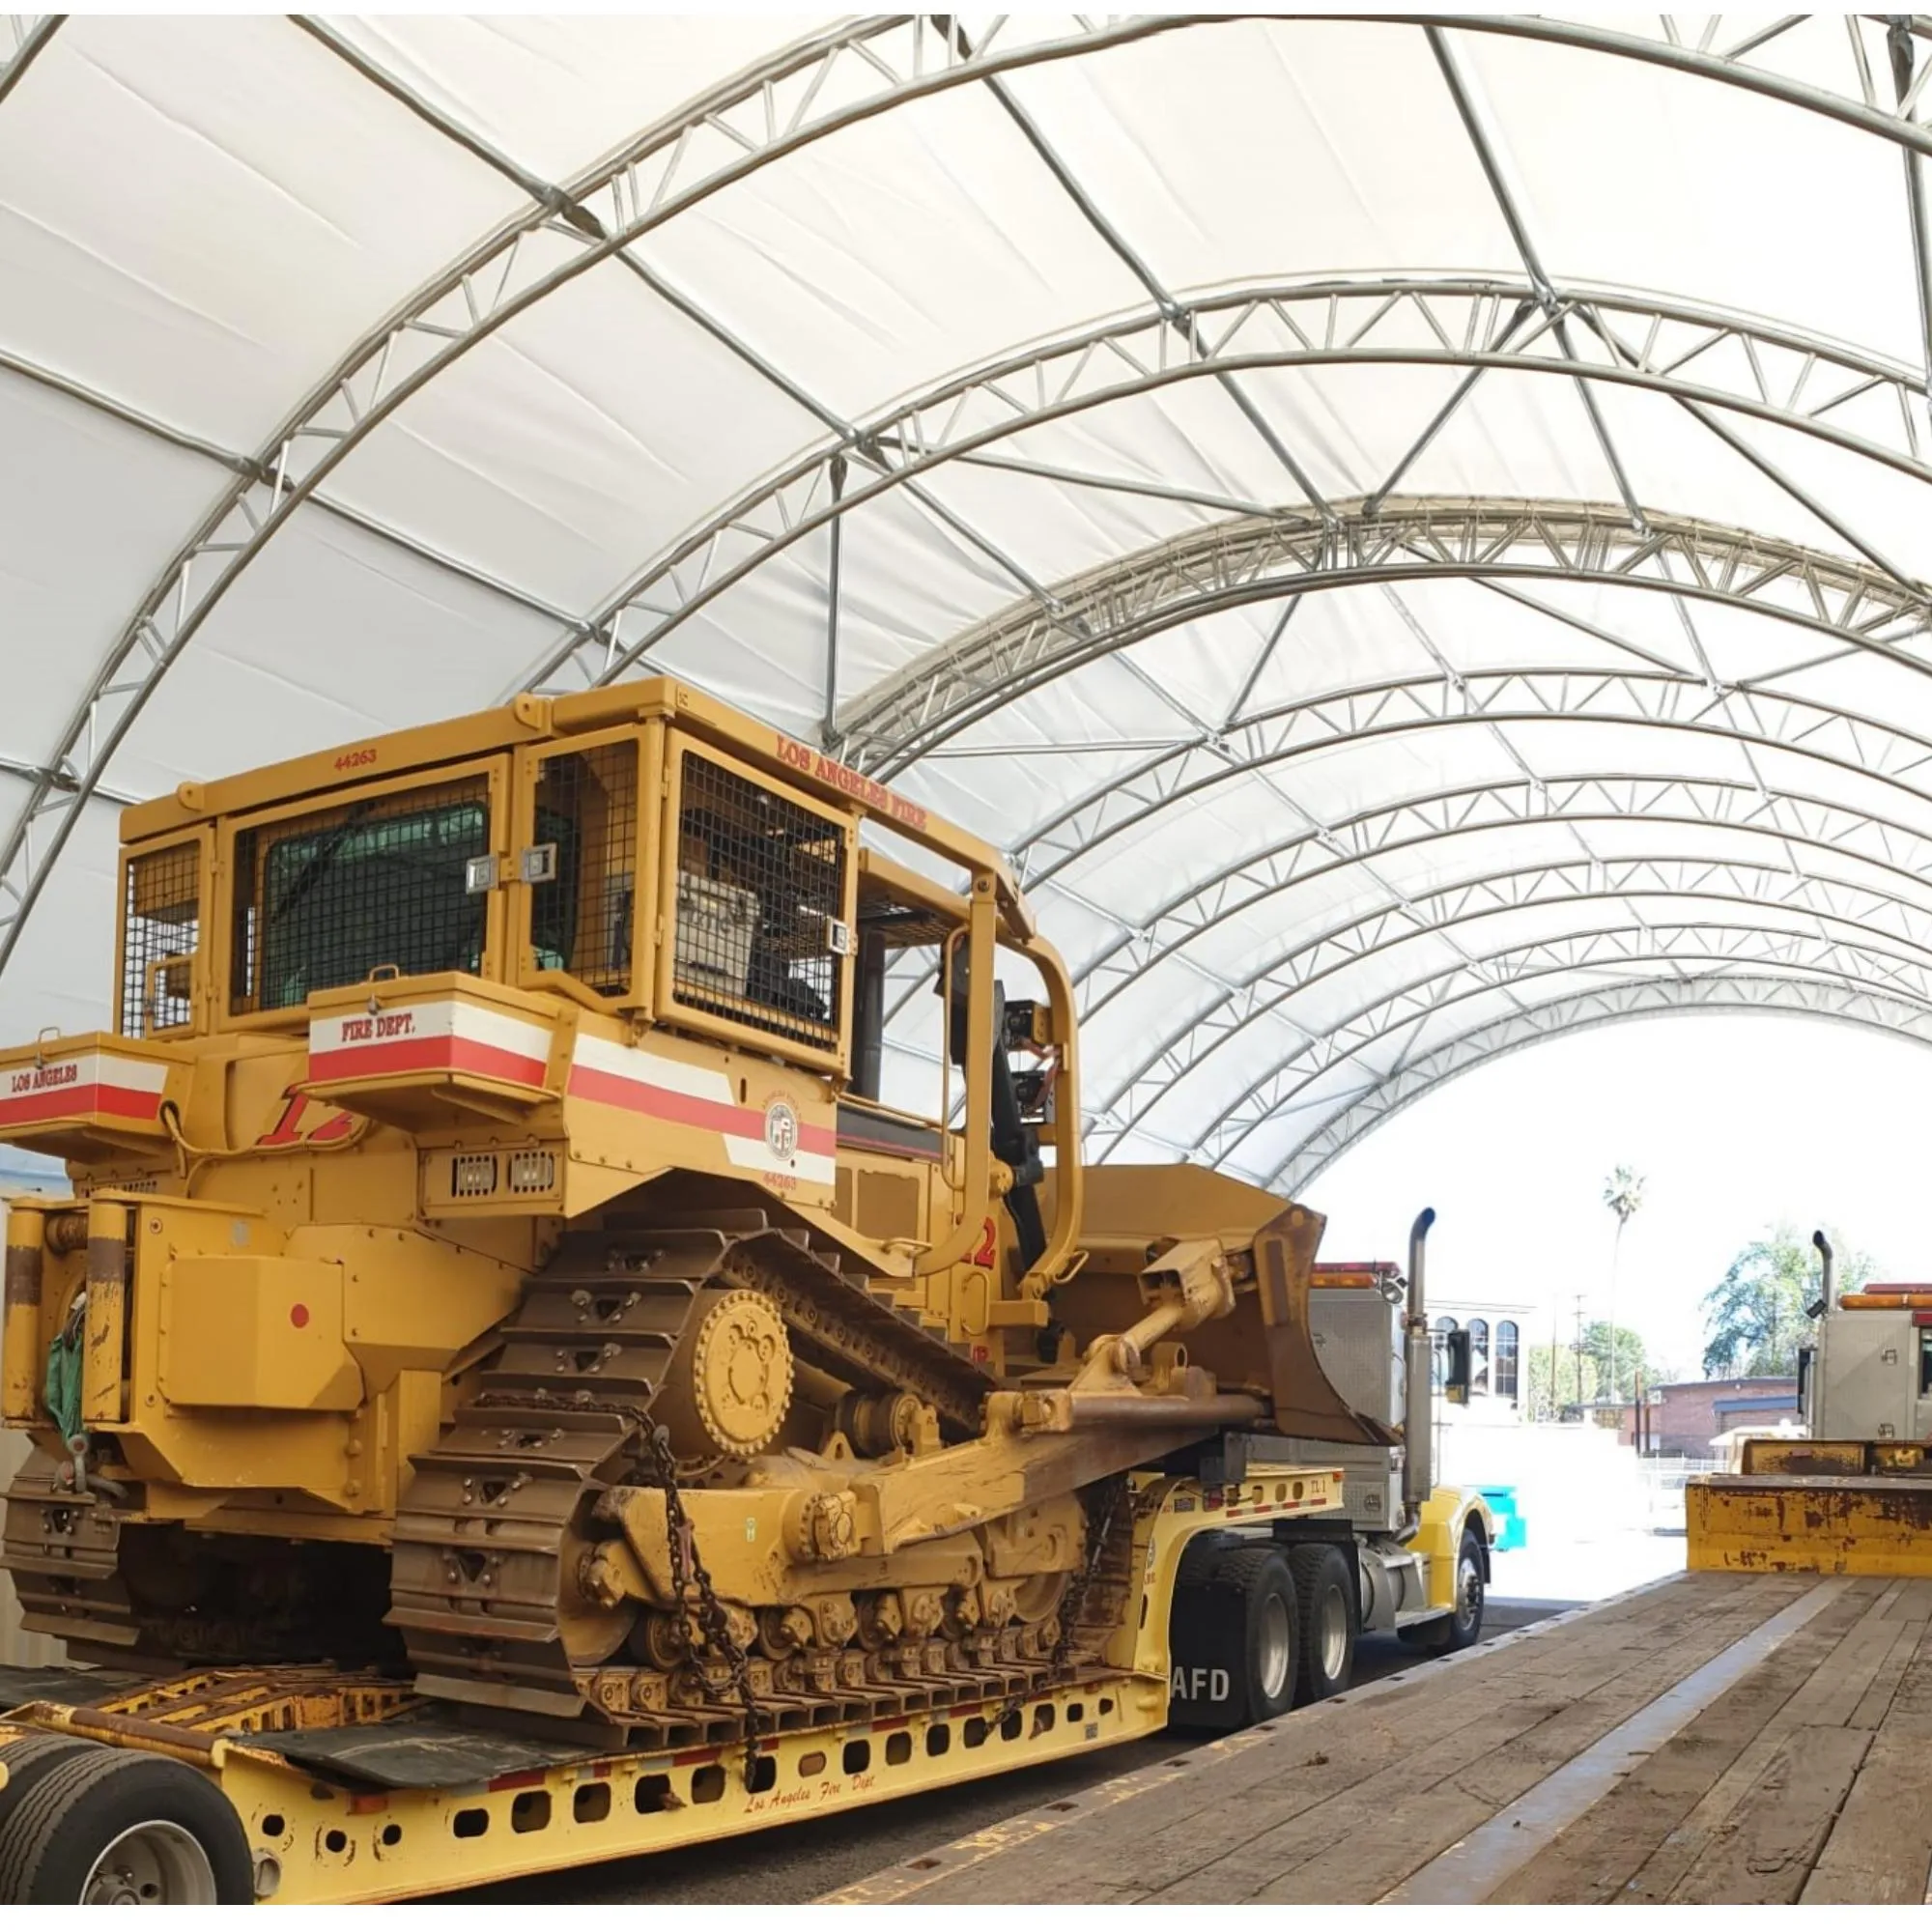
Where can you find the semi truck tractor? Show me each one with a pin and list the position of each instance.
(511, 1382)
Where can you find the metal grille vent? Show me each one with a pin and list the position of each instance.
(580, 915)
(325, 899)
(162, 928)
(760, 898)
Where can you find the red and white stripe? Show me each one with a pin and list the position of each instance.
(433, 1036)
(663, 1089)
(83, 1083)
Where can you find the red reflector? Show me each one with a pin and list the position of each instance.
(696, 1756)
(516, 1781)
(368, 1801)
(892, 1723)
(299, 1316)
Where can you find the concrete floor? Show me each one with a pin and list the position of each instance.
(792, 1864)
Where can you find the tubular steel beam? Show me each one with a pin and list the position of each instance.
(1387, 1095)
(1697, 355)
(23, 38)
(1251, 559)
(1126, 801)
(1263, 877)
(1607, 952)
(1345, 952)
(772, 110)
(1852, 101)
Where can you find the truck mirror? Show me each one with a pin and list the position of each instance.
(1455, 1366)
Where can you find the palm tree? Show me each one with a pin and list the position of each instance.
(1623, 1195)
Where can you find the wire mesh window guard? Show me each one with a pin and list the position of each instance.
(325, 899)
(586, 835)
(761, 904)
(164, 927)
(1506, 1360)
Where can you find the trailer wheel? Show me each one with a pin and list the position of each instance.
(1236, 1639)
(121, 1828)
(1327, 1604)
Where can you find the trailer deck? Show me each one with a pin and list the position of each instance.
(1712, 1738)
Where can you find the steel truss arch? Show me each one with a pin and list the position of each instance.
(1471, 323)
(750, 121)
(1360, 941)
(1400, 917)
(1662, 701)
(1362, 1112)
(1713, 943)
(1855, 104)
(1252, 559)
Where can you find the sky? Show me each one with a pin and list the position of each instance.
(1736, 1123)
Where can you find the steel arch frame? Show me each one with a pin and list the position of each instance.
(1640, 699)
(1398, 320)
(1585, 1012)
(748, 122)
(1509, 968)
(1270, 988)
(1251, 559)
(1358, 938)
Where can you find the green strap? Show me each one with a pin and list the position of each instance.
(63, 1384)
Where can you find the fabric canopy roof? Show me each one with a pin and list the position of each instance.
(1413, 532)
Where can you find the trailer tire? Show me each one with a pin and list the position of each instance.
(1234, 1639)
(28, 1760)
(175, 1839)
(1325, 1600)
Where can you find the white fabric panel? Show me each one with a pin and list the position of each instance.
(1533, 429)
(577, 442)
(909, 582)
(62, 972)
(1878, 506)
(1631, 175)
(333, 636)
(557, 95)
(1266, 148)
(1901, 799)
(182, 229)
(89, 515)
(1864, 684)
(898, 249)
(1053, 530)
(1187, 433)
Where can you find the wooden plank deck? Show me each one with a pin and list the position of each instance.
(1717, 1738)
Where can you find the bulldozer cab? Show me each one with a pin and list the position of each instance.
(643, 854)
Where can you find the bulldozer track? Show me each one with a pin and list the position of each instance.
(63, 1552)
(496, 1516)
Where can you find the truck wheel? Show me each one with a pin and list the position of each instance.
(1235, 1640)
(1463, 1624)
(121, 1828)
(1327, 1604)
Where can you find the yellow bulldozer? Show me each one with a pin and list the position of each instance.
(490, 1261)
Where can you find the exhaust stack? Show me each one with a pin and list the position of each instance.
(1828, 1278)
(1418, 1475)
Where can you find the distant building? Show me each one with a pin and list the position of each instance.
(1497, 1332)
(1685, 1416)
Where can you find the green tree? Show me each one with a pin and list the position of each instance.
(1623, 1195)
(1544, 1404)
(1756, 1319)
(1623, 1347)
